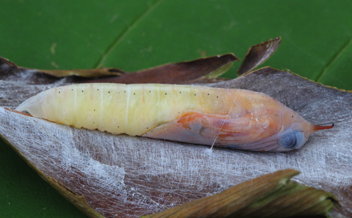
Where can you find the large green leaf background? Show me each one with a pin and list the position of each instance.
(316, 43)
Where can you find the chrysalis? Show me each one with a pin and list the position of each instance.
(232, 118)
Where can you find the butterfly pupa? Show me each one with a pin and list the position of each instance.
(232, 118)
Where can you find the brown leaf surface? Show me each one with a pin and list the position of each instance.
(258, 54)
(79, 201)
(132, 176)
(271, 195)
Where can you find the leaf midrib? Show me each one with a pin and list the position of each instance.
(124, 33)
(333, 60)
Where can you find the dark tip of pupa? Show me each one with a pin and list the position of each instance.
(19, 112)
(317, 127)
(25, 112)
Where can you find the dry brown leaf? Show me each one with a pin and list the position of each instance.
(258, 54)
(132, 176)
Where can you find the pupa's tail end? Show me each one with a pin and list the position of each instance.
(318, 127)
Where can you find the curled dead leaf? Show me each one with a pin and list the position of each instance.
(258, 54)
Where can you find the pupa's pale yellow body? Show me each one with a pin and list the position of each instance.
(202, 115)
(130, 109)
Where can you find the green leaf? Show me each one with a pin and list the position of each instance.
(133, 36)
(336, 72)
(77, 34)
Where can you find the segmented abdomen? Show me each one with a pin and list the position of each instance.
(130, 109)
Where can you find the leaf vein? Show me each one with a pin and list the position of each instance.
(333, 60)
(122, 36)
